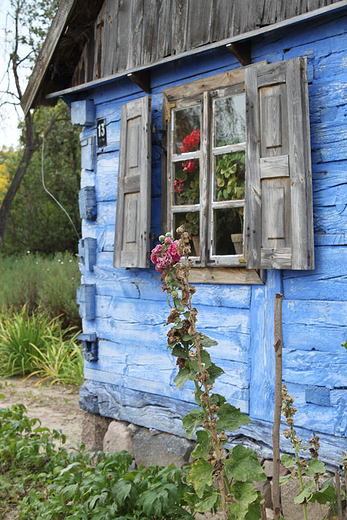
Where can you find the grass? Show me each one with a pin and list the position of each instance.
(34, 344)
(35, 281)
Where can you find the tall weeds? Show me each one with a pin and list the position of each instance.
(34, 344)
(33, 280)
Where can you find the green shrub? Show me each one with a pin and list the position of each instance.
(61, 483)
(32, 280)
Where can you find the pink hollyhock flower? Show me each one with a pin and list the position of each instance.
(165, 255)
(173, 252)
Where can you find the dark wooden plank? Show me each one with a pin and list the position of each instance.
(121, 38)
(223, 20)
(135, 49)
(179, 26)
(152, 13)
(199, 25)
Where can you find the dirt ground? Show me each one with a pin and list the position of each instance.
(56, 406)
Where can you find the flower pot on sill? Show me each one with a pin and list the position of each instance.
(237, 240)
(196, 245)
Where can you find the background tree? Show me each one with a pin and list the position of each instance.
(36, 222)
(34, 212)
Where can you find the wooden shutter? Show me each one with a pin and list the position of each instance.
(278, 213)
(134, 186)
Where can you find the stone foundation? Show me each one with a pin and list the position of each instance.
(152, 447)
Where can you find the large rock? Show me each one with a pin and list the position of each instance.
(293, 511)
(94, 428)
(119, 436)
(151, 447)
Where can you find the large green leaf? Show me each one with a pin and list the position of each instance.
(287, 461)
(244, 465)
(214, 372)
(314, 466)
(245, 494)
(203, 447)
(192, 421)
(179, 351)
(305, 494)
(205, 359)
(230, 418)
(200, 475)
(208, 502)
(207, 342)
(184, 375)
(325, 494)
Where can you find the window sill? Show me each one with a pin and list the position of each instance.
(226, 275)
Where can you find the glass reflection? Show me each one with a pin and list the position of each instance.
(228, 235)
(186, 186)
(230, 120)
(187, 129)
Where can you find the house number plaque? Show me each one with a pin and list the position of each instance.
(101, 133)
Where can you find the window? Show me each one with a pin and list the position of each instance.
(236, 171)
(238, 167)
(206, 173)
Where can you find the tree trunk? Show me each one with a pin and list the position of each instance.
(22, 168)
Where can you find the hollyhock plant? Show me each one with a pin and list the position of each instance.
(217, 480)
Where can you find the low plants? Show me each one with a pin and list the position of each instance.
(47, 482)
(219, 478)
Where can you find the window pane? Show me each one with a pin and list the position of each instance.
(229, 176)
(229, 120)
(228, 227)
(187, 129)
(191, 223)
(186, 185)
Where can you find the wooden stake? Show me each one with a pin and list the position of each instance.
(338, 496)
(278, 408)
(263, 510)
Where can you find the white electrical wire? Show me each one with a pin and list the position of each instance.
(49, 193)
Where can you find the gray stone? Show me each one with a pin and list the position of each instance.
(151, 447)
(269, 514)
(265, 491)
(119, 436)
(268, 469)
(94, 427)
(293, 511)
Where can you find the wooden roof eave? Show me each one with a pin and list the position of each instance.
(65, 9)
(54, 34)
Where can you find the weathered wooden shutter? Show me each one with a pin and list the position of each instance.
(134, 186)
(278, 213)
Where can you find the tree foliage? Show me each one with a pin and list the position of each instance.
(34, 221)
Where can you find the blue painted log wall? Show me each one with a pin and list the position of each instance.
(134, 365)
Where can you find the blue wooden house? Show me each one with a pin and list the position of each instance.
(228, 116)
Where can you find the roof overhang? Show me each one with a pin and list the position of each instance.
(60, 29)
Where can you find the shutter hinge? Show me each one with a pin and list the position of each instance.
(244, 259)
(168, 113)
